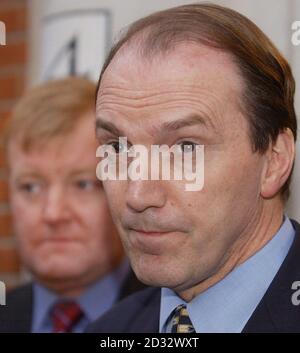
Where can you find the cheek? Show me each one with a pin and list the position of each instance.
(26, 221)
(233, 174)
(116, 194)
(243, 180)
(98, 226)
(27, 232)
(231, 187)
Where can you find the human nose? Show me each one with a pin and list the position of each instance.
(144, 194)
(56, 207)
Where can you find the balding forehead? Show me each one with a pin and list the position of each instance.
(194, 59)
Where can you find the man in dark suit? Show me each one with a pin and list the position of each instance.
(17, 314)
(225, 257)
(64, 230)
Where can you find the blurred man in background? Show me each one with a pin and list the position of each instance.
(65, 235)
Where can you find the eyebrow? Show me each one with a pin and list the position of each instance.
(169, 126)
(190, 120)
(109, 127)
(27, 174)
(37, 175)
(83, 170)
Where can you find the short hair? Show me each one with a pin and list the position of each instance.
(267, 100)
(50, 109)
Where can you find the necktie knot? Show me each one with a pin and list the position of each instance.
(181, 322)
(65, 315)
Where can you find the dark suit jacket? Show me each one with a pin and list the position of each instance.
(139, 313)
(16, 315)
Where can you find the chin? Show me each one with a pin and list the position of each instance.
(158, 279)
(156, 273)
(58, 270)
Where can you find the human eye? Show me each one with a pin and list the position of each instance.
(87, 184)
(30, 187)
(187, 146)
(118, 146)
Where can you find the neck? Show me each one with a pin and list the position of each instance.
(262, 228)
(63, 288)
(74, 287)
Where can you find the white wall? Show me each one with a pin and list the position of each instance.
(273, 17)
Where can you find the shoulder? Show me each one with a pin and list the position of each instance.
(129, 313)
(15, 315)
(19, 297)
(20, 294)
(276, 311)
(296, 225)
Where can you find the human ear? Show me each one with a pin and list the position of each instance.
(279, 163)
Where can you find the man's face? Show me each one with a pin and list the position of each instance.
(61, 219)
(177, 238)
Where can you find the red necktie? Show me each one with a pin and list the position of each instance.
(65, 315)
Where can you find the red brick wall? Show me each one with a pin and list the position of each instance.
(12, 81)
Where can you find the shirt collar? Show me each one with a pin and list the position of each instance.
(228, 305)
(101, 296)
(98, 298)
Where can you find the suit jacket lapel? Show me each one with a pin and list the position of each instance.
(148, 318)
(16, 315)
(276, 312)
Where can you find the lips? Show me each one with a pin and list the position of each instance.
(151, 232)
(59, 240)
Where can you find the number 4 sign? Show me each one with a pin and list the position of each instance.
(74, 43)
